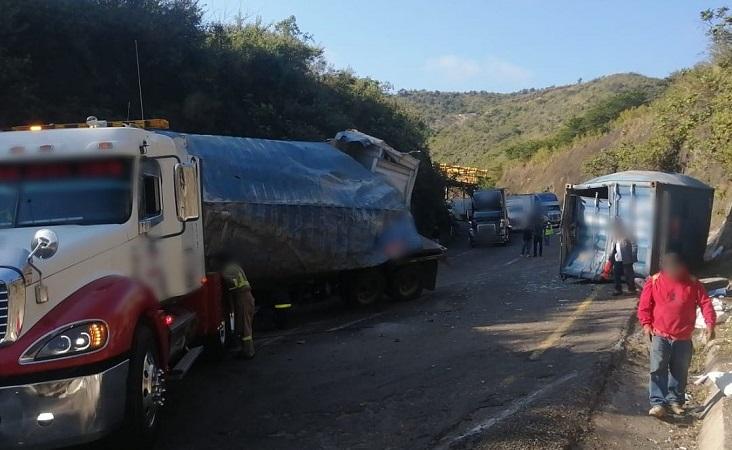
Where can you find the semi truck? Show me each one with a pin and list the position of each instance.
(105, 230)
(488, 218)
(521, 208)
(551, 207)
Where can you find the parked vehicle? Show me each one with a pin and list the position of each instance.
(104, 292)
(520, 210)
(488, 218)
(460, 207)
(551, 207)
(661, 212)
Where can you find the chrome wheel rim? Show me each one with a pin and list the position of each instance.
(151, 389)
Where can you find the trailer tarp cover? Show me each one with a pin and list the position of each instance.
(287, 208)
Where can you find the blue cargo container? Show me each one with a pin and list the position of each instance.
(663, 212)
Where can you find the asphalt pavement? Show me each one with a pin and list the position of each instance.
(503, 354)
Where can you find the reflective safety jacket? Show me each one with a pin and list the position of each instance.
(234, 277)
(669, 306)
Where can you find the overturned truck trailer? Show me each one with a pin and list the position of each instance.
(662, 212)
(302, 216)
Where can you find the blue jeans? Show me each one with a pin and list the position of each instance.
(669, 370)
(526, 248)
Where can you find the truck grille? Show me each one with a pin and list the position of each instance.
(487, 228)
(3, 310)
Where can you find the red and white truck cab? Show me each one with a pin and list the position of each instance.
(103, 290)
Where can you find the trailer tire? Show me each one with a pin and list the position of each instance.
(364, 287)
(405, 283)
(144, 391)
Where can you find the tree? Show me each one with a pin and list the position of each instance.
(719, 30)
(64, 60)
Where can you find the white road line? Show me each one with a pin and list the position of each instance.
(511, 410)
(353, 322)
(516, 259)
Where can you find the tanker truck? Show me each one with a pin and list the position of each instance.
(105, 230)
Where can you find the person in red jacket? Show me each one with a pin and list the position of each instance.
(667, 312)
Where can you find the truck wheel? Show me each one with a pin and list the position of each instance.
(405, 283)
(144, 391)
(365, 287)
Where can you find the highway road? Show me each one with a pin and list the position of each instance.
(503, 354)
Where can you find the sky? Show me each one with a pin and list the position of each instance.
(491, 45)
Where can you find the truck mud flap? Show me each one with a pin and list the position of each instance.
(428, 272)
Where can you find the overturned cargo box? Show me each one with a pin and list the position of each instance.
(660, 212)
(398, 169)
(289, 210)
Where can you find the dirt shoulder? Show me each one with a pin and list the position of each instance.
(621, 421)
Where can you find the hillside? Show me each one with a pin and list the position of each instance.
(687, 129)
(479, 128)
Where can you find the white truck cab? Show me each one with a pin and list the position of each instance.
(102, 279)
(104, 293)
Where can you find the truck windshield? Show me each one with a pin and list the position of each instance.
(547, 197)
(80, 192)
(488, 200)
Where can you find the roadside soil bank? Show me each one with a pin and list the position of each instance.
(621, 420)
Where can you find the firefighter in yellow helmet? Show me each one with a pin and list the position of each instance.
(240, 298)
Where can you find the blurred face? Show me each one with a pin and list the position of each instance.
(618, 230)
(673, 268)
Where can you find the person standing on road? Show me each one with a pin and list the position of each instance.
(548, 233)
(622, 258)
(526, 236)
(241, 300)
(538, 233)
(667, 312)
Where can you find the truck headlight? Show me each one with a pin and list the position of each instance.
(70, 340)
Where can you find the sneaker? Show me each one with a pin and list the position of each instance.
(657, 411)
(676, 409)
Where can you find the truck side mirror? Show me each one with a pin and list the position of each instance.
(187, 191)
(44, 245)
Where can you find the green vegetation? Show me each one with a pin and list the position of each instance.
(64, 60)
(691, 124)
(614, 123)
(685, 128)
(596, 119)
(486, 129)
